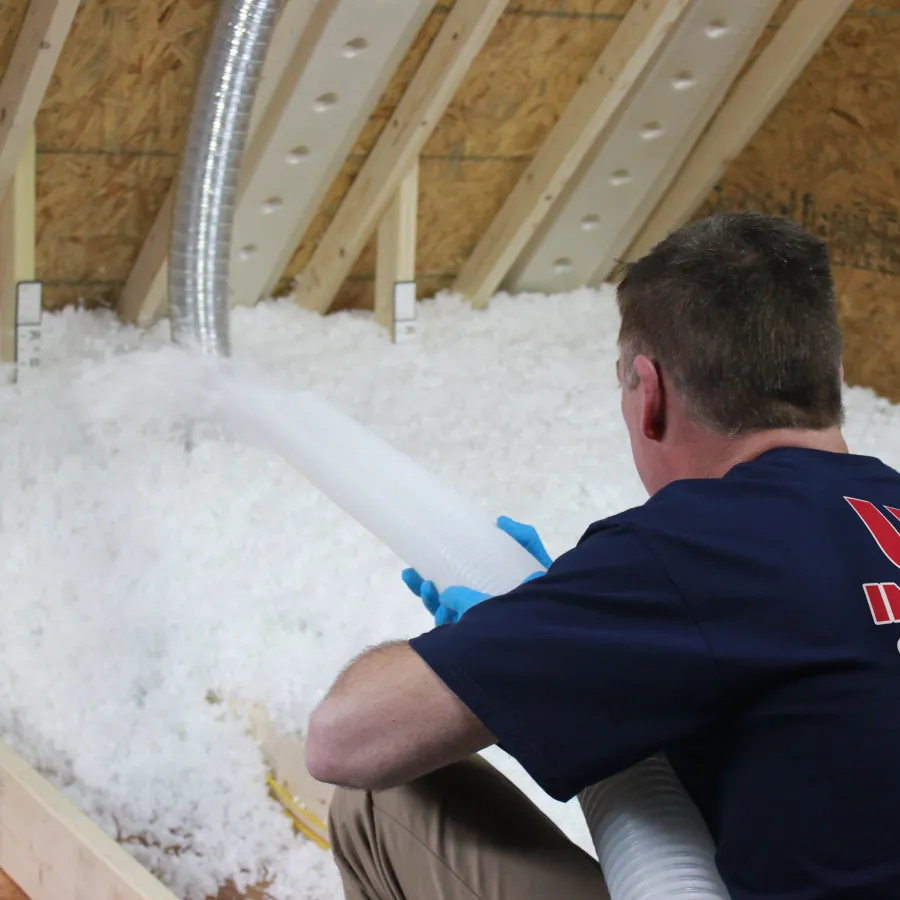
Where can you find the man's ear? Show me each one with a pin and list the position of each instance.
(653, 399)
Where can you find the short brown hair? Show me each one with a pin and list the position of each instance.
(740, 311)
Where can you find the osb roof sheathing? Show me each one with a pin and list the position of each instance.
(112, 127)
(828, 158)
(109, 137)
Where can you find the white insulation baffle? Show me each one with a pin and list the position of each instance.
(628, 173)
(314, 126)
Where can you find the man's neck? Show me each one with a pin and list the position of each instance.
(726, 453)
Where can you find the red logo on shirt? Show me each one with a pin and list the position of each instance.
(884, 599)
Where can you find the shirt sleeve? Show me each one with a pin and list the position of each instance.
(585, 671)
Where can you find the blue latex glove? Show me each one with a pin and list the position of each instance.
(527, 537)
(446, 607)
(449, 606)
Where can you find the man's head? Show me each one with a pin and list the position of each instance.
(729, 329)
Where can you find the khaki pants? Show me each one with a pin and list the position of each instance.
(462, 833)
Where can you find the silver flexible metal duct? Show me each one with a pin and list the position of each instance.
(207, 189)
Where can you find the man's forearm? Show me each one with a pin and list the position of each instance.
(388, 719)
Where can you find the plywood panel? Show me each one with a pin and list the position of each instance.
(872, 351)
(827, 158)
(443, 241)
(12, 14)
(91, 219)
(125, 78)
(109, 137)
(519, 86)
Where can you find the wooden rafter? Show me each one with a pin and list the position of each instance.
(606, 90)
(742, 115)
(25, 81)
(467, 27)
(324, 112)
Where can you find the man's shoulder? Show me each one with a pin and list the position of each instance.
(778, 493)
(682, 502)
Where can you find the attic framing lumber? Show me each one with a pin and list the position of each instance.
(742, 114)
(37, 49)
(53, 852)
(462, 36)
(594, 108)
(396, 252)
(18, 233)
(323, 115)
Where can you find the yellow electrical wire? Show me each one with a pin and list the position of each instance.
(300, 816)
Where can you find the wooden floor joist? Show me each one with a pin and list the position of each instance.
(593, 109)
(49, 850)
(754, 97)
(467, 27)
(54, 852)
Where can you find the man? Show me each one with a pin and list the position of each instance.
(740, 621)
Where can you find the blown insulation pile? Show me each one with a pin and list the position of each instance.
(140, 579)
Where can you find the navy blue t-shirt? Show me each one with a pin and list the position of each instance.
(744, 626)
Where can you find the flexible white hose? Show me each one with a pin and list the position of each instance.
(426, 523)
(650, 838)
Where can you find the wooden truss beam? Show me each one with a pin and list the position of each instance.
(467, 27)
(754, 97)
(595, 106)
